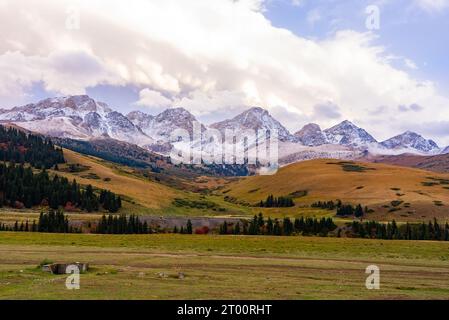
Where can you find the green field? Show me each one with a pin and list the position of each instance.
(222, 267)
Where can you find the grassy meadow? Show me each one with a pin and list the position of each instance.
(222, 267)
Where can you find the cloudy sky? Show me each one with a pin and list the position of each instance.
(320, 61)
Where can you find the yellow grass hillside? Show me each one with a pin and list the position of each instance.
(391, 191)
(117, 179)
(144, 196)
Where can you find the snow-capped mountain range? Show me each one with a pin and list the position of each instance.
(254, 119)
(77, 117)
(83, 118)
(163, 125)
(410, 140)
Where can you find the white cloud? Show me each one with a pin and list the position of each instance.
(410, 64)
(207, 55)
(432, 5)
(297, 3)
(151, 98)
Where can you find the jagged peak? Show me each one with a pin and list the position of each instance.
(408, 134)
(344, 124)
(256, 110)
(410, 139)
(138, 114)
(175, 112)
(310, 126)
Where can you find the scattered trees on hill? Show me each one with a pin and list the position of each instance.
(20, 187)
(343, 210)
(329, 205)
(281, 202)
(110, 201)
(349, 210)
(19, 147)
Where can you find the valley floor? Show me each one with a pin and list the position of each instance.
(222, 267)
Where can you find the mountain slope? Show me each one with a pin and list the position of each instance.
(77, 117)
(411, 141)
(254, 119)
(348, 134)
(436, 163)
(164, 124)
(418, 192)
(140, 119)
(101, 174)
(145, 194)
(311, 135)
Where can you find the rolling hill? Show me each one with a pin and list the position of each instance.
(436, 163)
(146, 194)
(104, 175)
(393, 192)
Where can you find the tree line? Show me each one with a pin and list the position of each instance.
(51, 222)
(392, 231)
(21, 187)
(273, 202)
(285, 227)
(55, 221)
(188, 229)
(122, 225)
(19, 147)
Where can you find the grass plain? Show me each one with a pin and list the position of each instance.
(222, 267)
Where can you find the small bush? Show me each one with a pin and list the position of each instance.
(44, 263)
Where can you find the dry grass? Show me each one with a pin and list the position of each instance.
(376, 187)
(144, 192)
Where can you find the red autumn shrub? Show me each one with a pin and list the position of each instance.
(69, 207)
(19, 205)
(202, 230)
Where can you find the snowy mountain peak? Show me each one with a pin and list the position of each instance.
(140, 119)
(164, 124)
(411, 141)
(256, 110)
(78, 117)
(175, 114)
(255, 118)
(348, 134)
(311, 135)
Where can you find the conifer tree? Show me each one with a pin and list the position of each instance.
(189, 228)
